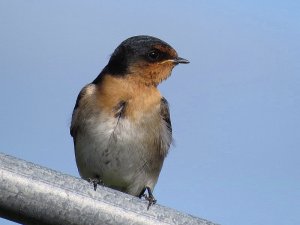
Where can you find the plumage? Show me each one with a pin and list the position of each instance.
(121, 124)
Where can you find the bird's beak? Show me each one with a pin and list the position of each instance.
(181, 60)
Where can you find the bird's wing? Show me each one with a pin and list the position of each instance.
(76, 120)
(165, 113)
(167, 131)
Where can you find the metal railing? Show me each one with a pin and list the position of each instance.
(31, 194)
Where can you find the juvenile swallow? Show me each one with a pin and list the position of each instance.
(121, 124)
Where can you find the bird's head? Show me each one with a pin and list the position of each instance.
(144, 59)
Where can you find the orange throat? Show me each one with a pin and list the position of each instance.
(140, 98)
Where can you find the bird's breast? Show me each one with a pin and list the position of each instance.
(121, 135)
(140, 101)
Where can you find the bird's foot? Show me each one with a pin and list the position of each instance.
(95, 181)
(150, 198)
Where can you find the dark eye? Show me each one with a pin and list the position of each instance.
(154, 55)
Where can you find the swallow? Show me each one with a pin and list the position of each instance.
(121, 123)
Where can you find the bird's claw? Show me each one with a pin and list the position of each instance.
(151, 200)
(95, 182)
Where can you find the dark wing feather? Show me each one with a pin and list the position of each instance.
(75, 116)
(167, 133)
(165, 113)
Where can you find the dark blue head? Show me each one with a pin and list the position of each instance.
(137, 49)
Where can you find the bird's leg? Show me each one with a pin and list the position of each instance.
(95, 181)
(142, 193)
(150, 198)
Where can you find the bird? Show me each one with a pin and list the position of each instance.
(121, 124)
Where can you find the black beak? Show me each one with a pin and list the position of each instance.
(181, 60)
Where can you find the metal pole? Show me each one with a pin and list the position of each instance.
(31, 194)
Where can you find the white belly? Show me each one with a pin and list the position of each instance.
(124, 155)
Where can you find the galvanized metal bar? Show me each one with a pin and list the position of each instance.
(31, 194)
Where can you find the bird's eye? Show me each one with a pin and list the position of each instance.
(153, 55)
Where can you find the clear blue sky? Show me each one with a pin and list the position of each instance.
(235, 108)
